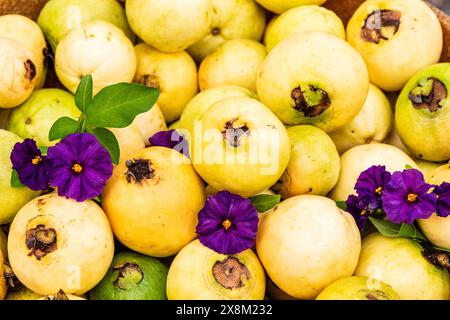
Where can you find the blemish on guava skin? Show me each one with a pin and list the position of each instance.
(234, 130)
(229, 273)
(28, 121)
(30, 70)
(138, 170)
(376, 295)
(150, 80)
(372, 30)
(41, 241)
(215, 31)
(311, 102)
(428, 94)
(129, 275)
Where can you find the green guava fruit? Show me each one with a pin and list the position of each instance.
(170, 26)
(422, 113)
(358, 288)
(280, 6)
(305, 243)
(35, 117)
(231, 19)
(59, 17)
(174, 74)
(302, 19)
(402, 263)
(314, 78)
(22, 294)
(314, 165)
(199, 273)
(132, 276)
(12, 199)
(372, 124)
(235, 63)
(396, 38)
(359, 158)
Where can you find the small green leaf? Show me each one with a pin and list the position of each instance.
(43, 149)
(15, 181)
(83, 95)
(441, 249)
(389, 229)
(109, 141)
(116, 106)
(341, 205)
(62, 128)
(408, 166)
(264, 202)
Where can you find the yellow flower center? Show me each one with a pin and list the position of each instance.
(411, 197)
(77, 168)
(226, 224)
(363, 212)
(378, 190)
(36, 160)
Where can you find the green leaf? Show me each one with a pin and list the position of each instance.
(43, 149)
(63, 127)
(408, 166)
(441, 249)
(15, 181)
(116, 106)
(109, 141)
(83, 95)
(342, 205)
(264, 202)
(389, 229)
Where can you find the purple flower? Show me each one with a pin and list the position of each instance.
(227, 223)
(369, 186)
(406, 197)
(81, 166)
(31, 166)
(170, 139)
(359, 214)
(443, 199)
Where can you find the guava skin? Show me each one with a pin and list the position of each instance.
(299, 70)
(425, 131)
(399, 263)
(280, 6)
(415, 44)
(28, 33)
(130, 141)
(81, 251)
(150, 122)
(314, 165)
(276, 293)
(191, 277)
(174, 74)
(358, 288)
(205, 99)
(3, 287)
(233, 19)
(236, 63)
(435, 228)
(58, 17)
(394, 140)
(428, 168)
(3, 244)
(18, 73)
(97, 48)
(305, 243)
(34, 118)
(143, 278)
(141, 218)
(12, 199)
(359, 158)
(372, 124)
(22, 294)
(169, 26)
(223, 163)
(303, 19)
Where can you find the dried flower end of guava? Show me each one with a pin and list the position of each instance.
(380, 25)
(310, 100)
(230, 273)
(41, 241)
(429, 94)
(138, 170)
(234, 130)
(129, 275)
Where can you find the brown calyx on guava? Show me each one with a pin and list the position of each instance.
(215, 31)
(229, 273)
(377, 23)
(138, 170)
(311, 101)
(150, 80)
(41, 241)
(30, 70)
(11, 279)
(60, 295)
(437, 258)
(234, 130)
(376, 295)
(129, 275)
(428, 94)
